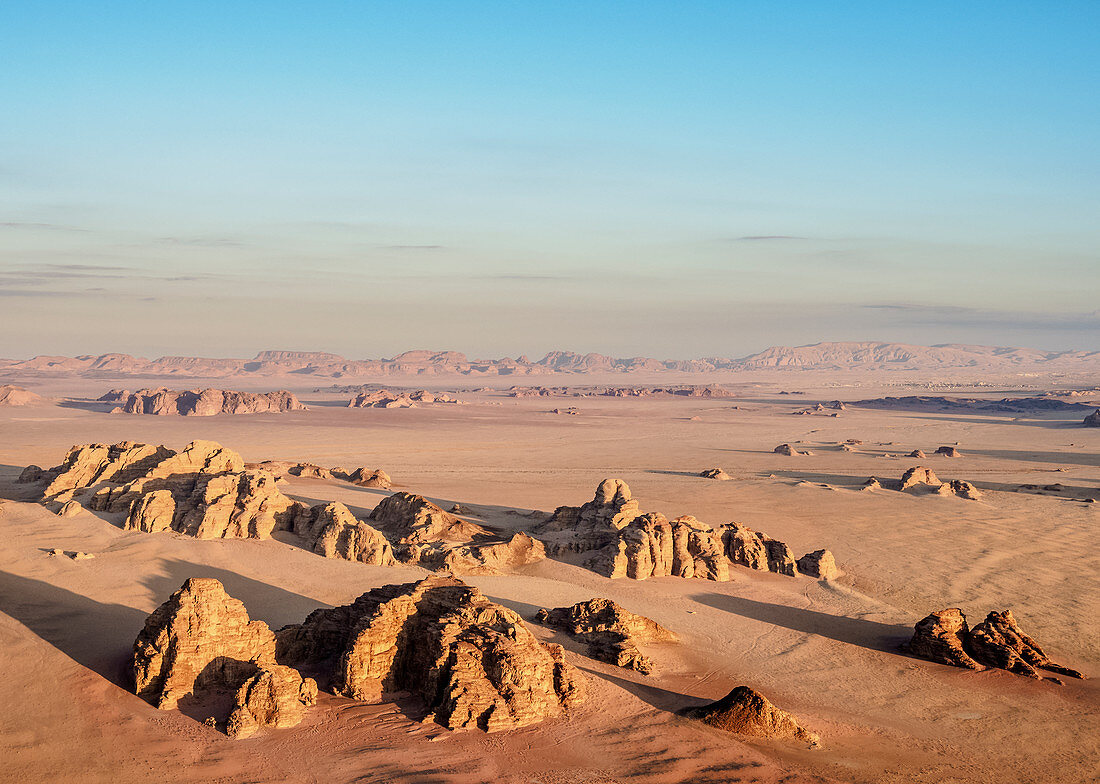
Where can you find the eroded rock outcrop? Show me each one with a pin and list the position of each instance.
(819, 564)
(201, 642)
(473, 662)
(918, 476)
(611, 633)
(715, 473)
(997, 642)
(365, 477)
(11, 395)
(747, 712)
(382, 398)
(1093, 419)
(948, 451)
(621, 541)
(202, 402)
(337, 533)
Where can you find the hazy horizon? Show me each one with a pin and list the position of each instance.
(707, 180)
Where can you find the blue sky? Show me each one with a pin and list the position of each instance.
(672, 179)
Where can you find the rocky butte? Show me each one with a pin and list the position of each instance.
(618, 540)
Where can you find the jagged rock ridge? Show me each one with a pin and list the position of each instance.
(998, 642)
(621, 541)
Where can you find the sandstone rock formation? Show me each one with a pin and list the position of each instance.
(202, 641)
(11, 395)
(364, 477)
(611, 633)
(473, 662)
(819, 564)
(997, 642)
(963, 489)
(872, 483)
(715, 473)
(1093, 419)
(423, 533)
(918, 476)
(620, 541)
(786, 449)
(202, 402)
(337, 533)
(917, 453)
(69, 509)
(747, 712)
(948, 451)
(382, 398)
(309, 471)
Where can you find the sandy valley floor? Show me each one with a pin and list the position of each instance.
(826, 652)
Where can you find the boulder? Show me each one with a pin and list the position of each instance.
(819, 564)
(611, 633)
(963, 489)
(715, 473)
(785, 449)
(202, 402)
(32, 474)
(473, 662)
(201, 642)
(747, 712)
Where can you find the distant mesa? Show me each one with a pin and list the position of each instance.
(616, 539)
(1093, 419)
(852, 356)
(207, 492)
(747, 712)
(611, 633)
(1009, 405)
(998, 642)
(17, 396)
(201, 402)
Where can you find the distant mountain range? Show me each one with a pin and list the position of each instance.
(817, 357)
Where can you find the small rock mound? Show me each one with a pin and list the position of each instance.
(201, 642)
(948, 451)
(11, 395)
(747, 712)
(1093, 419)
(918, 476)
(715, 473)
(917, 453)
(473, 662)
(365, 477)
(963, 489)
(872, 483)
(786, 449)
(997, 642)
(611, 633)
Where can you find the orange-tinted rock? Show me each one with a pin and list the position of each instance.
(941, 637)
(747, 712)
(612, 634)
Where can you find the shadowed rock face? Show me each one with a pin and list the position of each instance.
(364, 477)
(611, 633)
(473, 662)
(623, 542)
(1093, 419)
(997, 642)
(715, 473)
(200, 641)
(202, 402)
(747, 712)
(337, 533)
(948, 451)
(819, 564)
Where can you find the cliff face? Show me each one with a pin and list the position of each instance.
(202, 402)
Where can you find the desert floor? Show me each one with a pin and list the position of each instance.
(827, 652)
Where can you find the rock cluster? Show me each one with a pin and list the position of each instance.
(205, 491)
(621, 541)
(201, 402)
(385, 399)
(611, 633)
(473, 662)
(997, 643)
(920, 477)
(747, 712)
(201, 642)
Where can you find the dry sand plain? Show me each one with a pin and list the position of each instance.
(827, 652)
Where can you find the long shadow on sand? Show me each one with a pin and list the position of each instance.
(872, 635)
(661, 699)
(100, 635)
(1067, 493)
